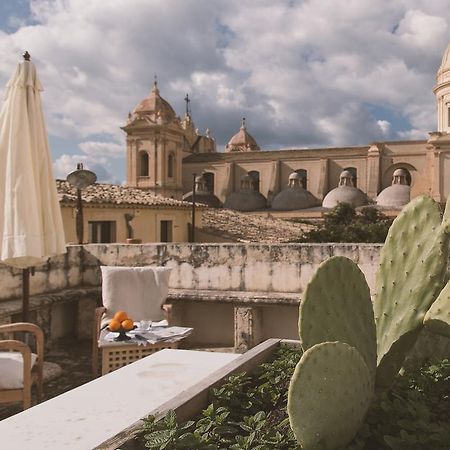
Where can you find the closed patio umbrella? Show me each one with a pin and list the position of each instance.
(31, 228)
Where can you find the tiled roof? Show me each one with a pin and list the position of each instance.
(116, 195)
(241, 227)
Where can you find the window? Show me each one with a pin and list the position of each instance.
(255, 179)
(166, 230)
(170, 165)
(448, 117)
(303, 177)
(209, 181)
(102, 232)
(143, 164)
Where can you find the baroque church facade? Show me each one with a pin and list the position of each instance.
(165, 152)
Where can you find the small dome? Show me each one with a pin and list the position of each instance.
(294, 197)
(202, 194)
(346, 192)
(398, 194)
(155, 106)
(395, 196)
(242, 141)
(246, 199)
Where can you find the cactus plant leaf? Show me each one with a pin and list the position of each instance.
(412, 270)
(437, 319)
(336, 306)
(329, 395)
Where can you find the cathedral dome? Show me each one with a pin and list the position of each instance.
(242, 141)
(246, 199)
(155, 106)
(295, 196)
(346, 192)
(202, 194)
(445, 64)
(398, 194)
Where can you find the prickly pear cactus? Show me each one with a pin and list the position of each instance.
(329, 395)
(437, 319)
(412, 269)
(336, 306)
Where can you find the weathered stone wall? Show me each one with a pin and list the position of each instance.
(231, 267)
(59, 272)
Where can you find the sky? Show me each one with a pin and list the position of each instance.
(304, 74)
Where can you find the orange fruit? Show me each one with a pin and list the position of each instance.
(114, 325)
(120, 316)
(127, 324)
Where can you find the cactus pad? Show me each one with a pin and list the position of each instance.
(336, 306)
(437, 319)
(412, 268)
(329, 395)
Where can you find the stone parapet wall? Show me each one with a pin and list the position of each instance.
(57, 273)
(231, 267)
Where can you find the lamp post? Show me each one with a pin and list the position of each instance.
(194, 175)
(80, 179)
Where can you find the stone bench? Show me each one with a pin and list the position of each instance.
(73, 310)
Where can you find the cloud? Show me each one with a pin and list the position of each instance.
(95, 156)
(304, 74)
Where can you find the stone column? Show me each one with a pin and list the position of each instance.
(274, 184)
(373, 170)
(323, 179)
(247, 328)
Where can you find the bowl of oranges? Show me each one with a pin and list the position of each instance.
(121, 323)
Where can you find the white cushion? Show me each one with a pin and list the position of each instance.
(11, 369)
(139, 291)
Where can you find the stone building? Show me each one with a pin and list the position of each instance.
(113, 213)
(164, 151)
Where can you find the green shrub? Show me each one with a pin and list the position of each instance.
(344, 224)
(413, 414)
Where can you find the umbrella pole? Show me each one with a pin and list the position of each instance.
(26, 295)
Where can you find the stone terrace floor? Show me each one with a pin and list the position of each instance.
(74, 357)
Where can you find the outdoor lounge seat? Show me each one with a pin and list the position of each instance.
(139, 291)
(19, 367)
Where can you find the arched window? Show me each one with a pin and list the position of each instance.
(143, 164)
(354, 173)
(303, 177)
(209, 181)
(255, 179)
(170, 165)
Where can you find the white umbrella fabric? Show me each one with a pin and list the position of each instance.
(31, 227)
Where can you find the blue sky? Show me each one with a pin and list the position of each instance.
(303, 73)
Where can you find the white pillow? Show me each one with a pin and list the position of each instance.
(11, 369)
(139, 291)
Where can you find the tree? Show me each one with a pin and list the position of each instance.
(344, 224)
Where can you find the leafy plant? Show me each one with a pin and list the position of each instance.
(412, 415)
(344, 224)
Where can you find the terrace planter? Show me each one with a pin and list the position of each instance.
(195, 399)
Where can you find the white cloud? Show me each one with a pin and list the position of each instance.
(312, 73)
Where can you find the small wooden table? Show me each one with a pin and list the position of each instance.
(118, 354)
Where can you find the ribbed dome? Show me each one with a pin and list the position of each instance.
(346, 192)
(398, 194)
(246, 199)
(155, 105)
(202, 195)
(242, 141)
(294, 196)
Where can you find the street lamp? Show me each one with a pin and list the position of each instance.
(80, 179)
